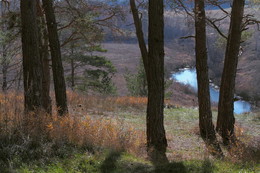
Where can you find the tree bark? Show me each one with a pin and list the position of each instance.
(4, 68)
(44, 53)
(140, 34)
(4, 50)
(226, 119)
(156, 138)
(32, 64)
(154, 68)
(207, 130)
(57, 68)
(72, 64)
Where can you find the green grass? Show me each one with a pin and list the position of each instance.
(117, 162)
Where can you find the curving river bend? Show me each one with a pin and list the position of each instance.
(189, 77)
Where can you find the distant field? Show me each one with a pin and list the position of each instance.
(127, 56)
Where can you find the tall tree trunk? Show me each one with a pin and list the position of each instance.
(139, 34)
(226, 119)
(57, 68)
(207, 130)
(32, 64)
(4, 68)
(4, 51)
(72, 64)
(47, 103)
(154, 69)
(156, 138)
(44, 53)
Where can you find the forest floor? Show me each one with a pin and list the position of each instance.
(107, 134)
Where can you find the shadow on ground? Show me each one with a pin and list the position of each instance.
(109, 165)
(114, 163)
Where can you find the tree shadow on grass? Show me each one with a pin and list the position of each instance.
(109, 164)
(114, 163)
(179, 167)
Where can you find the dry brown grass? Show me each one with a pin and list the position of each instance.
(84, 127)
(79, 130)
(102, 103)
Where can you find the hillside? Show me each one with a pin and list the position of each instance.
(123, 51)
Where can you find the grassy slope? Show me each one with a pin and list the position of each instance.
(124, 163)
(120, 124)
(186, 150)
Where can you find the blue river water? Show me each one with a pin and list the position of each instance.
(189, 77)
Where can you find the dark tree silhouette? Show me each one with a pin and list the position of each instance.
(207, 130)
(32, 64)
(226, 119)
(57, 68)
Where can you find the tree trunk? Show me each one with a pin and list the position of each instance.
(139, 34)
(154, 69)
(4, 68)
(226, 119)
(207, 130)
(72, 64)
(57, 68)
(47, 103)
(156, 138)
(44, 53)
(32, 64)
(4, 51)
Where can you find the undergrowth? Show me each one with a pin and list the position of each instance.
(39, 136)
(107, 134)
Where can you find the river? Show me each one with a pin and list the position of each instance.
(189, 77)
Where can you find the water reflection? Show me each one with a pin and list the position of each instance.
(189, 77)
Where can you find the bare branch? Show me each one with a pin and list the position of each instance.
(186, 37)
(216, 27)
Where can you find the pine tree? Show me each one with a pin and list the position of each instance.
(32, 64)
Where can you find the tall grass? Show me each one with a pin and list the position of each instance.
(94, 124)
(37, 135)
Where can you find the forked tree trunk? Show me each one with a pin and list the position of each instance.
(32, 64)
(154, 68)
(207, 130)
(57, 68)
(226, 119)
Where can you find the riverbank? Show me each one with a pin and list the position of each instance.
(188, 76)
(127, 56)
